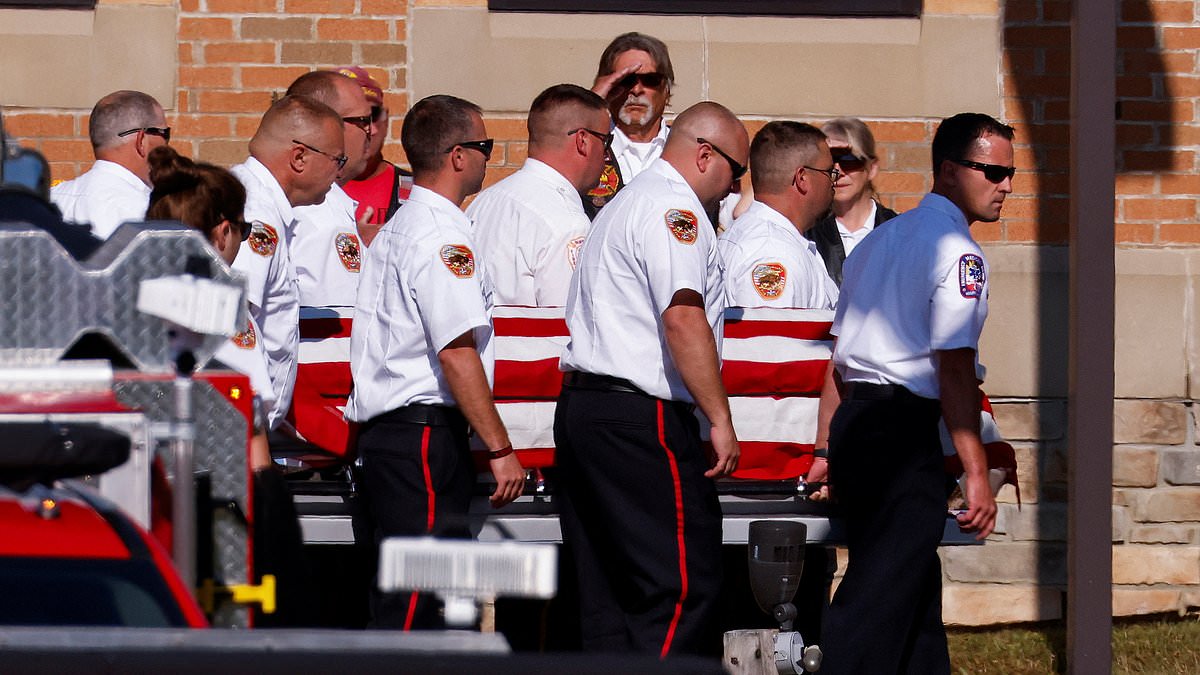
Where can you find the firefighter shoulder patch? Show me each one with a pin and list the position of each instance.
(769, 280)
(573, 247)
(459, 259)
(246, 339)
(263, 239)
(348, 250)
(683, 225)
(970, 276)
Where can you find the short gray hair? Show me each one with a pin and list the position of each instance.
(121, 111)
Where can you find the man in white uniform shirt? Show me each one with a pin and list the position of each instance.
(294, 157)
(645, 309)
(914, 299)
(327, 247)
(529, 226)
(764, 258)
(123, 128)
(421, 351)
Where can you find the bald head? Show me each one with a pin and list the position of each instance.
(300, 140)
(708, 120)
(702, 164)
(345, 95)
(290, 118)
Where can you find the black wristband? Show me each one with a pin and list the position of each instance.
(823, 453)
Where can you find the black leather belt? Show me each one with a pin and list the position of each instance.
(865, 391)
(432, 415)
(577, 379)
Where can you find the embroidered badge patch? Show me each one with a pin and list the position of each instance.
(348, 250)
(263, 239)
(610, 182)
(247, 339)
(682, 225)
(769, 280)
(970, 276)
(573, 247)
(459, 259)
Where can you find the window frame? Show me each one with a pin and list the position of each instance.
(894, 8)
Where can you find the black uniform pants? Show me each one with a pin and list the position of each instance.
(642, 520)
(417, 478)
(886, 469)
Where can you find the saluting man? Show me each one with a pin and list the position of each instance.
(645, 315)
(914, 299)
(421, 351)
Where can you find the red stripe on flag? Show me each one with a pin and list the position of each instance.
(799, 330)
(529, 327)
(772, 460)
(325, 327)
(527, 380)
(757, 378)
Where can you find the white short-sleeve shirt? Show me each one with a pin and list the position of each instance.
(633, 158)
(421, 288)
(652, 240)
(529, 228)
(326, 251)
(912, 288)
(106, 196)
(766, 262)
(271, 287)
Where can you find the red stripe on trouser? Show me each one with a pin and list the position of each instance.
(431, 502)
(683, 577)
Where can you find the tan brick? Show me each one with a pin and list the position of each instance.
(384, 53)
(987, 604)
(1037, 522)
(1163, 534)
(1031, 420)
(1166, 505)
(1137, 601)
(316, 53)
(1144, 421)
(515, 153)
(234, 101)
(277, 28)
(1159, 209)
(223, 152)
(1003, 562)
(352, 29)
(239, 52)
(1135, 466)
(242, 6)
(1143, 564)
(1181, 467)
(28, 125)
(319, 6)
(206, 77)
(271, 77)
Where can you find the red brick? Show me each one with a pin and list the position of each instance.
(182, 101)
(271, 77)
(1143, 61)
(240, 52)
(1041, 134)
(1157, 12)
(1155, 111)
(1020, 60)
(223, 152)
(1135, 183)
(189, 5)
(1131, 37)
(60, 171)
(201, 126)
(1179, 233)
(71, 150)
(1037, 85)
(1158, 160)
(1179, 184)
(1056, 111)
(352, 29)
(193, 28)
(384, 54)
(897, 182)
(1159, 209)
(1132, 135)
(210, 77)
(242, 6)
(1134, 233)
(29, 125)
(899, 132)
(1036, 36)
(1043, 231)
(1056, 10)
(1056, 60)
(1174, 37)
(1184, 87)
(1183, 134)
(1020, 11)
(244, 126)
(401, 30)
(185, 53)
(988, 232)
(1135, 86)
(234, 101)
(384, 7)
(319, 6)
(506, 129)
(515, 153)
(314, 54)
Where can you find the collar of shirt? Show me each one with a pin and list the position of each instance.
(760, 210)
(437, 202)
(544, 172)
(663, 168)
(941, 204)
(263, 175)
(622, 146)
(867, 226)
(105, 167)
(340, 199)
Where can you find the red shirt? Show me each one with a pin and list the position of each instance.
(385, 191)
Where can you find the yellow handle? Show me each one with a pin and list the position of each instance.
(263, 594)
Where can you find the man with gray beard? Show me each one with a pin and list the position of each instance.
(635, 79)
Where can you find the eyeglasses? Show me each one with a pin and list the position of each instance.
(484, 146)
(648, 80)
(847, 160)
(737, 169)
(607, 139)
(362, 122)
(832, 173)
(340, 159)
(164, 132)
(376, 113)
(995, 173)
(244, 228)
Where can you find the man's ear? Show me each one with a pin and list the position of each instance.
(457, 158)
(296, 159)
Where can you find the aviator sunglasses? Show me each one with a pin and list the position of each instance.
(846, 160)
(648, 80)
(995, 173)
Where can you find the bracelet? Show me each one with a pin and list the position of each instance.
(822, 453)
(502, 452)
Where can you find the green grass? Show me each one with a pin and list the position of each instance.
(1153, 646)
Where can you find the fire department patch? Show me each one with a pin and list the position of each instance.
(970, 276)
(769, 280)
(348, 250)
(459, 259)
(573, 247)
(263, 239)
(610, 182)
(682, 225)
(247, 339)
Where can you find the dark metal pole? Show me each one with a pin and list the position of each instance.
(1092, 280)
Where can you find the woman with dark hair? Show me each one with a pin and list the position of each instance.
(855, 212)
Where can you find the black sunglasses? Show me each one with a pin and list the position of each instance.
(164, 132)
(607, 139)
(737, 169)
(340, 159)
(995, 173)
(376, 113)
(361, 121)
(244, 228)
(648, 80)
(484, 146)
(846, 160)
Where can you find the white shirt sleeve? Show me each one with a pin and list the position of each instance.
(673, 257)
(447, 286)
(959, 304)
